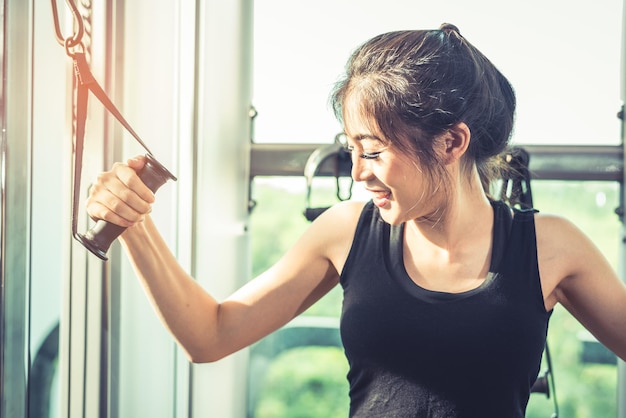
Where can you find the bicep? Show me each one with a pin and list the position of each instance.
(307, 271)
(275, 297)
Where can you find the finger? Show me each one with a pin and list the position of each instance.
(103, 204)
(137, 163)
(112, 199)
(130, 181)
(100, 212)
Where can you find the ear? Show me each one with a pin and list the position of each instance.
(456, 140)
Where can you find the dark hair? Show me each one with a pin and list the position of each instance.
(417, 84)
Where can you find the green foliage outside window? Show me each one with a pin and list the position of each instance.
(316, 388)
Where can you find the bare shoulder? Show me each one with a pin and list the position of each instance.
(556, 229)
(348, 211)
(558, 237)
(338, 221)
(333, 231)
(566, 256)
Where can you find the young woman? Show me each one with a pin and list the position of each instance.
(447, 292)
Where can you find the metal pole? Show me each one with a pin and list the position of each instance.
(16, 24)
(621, 366)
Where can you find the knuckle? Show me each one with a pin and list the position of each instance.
(125, 194)
(116, 205)
(101, 178)
(95, 189)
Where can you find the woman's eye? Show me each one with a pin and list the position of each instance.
(365, 155)
(369, 155)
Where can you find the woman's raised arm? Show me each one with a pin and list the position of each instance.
(205, 328)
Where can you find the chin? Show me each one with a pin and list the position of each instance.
(391, 217)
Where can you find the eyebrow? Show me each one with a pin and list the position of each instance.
(362, 137)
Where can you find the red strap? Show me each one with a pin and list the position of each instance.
(86, 79)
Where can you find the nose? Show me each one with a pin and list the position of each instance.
(360, 170)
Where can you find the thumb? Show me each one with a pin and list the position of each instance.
(137, 162)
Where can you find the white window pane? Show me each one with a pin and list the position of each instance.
(562, 57)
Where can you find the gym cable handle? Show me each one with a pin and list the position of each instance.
(99, 238)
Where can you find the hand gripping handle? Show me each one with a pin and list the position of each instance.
(99, 238)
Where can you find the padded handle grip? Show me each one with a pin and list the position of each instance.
(100, 237)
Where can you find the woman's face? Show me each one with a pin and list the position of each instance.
(395, 180)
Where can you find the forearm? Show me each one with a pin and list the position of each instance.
(184, 307)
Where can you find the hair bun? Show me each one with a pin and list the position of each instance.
(448, 28)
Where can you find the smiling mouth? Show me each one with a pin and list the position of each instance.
(380, 198)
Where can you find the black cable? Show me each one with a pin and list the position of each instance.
(551, 378)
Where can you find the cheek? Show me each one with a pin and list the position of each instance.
(414, 187)
(400, 169)
(408, 177)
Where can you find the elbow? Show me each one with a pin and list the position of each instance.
(203, 355)
(202, 358)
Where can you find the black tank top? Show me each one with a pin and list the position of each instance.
(420, 353)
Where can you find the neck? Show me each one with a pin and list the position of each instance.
(466, 212)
